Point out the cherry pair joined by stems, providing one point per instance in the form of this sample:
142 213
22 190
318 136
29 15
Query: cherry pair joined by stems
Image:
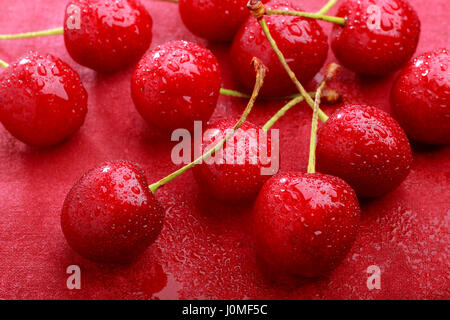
370 37
305 223
363 145
111 214
302 41
42 99
103 35
218 20
420 98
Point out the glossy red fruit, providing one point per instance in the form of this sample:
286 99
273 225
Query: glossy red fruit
42 100
215 20
305 224
302 41
176 84
379 37
110 215
107 35
420 98
366 147
241 168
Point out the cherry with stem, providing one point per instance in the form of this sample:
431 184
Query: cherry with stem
305 238
216 20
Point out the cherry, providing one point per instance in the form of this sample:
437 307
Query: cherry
42 100
110 215
378 37
109 34
236 174
302 41
304 224
176 84
215 20
420 98
366 147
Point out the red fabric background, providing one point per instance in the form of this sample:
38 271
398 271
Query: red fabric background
205 249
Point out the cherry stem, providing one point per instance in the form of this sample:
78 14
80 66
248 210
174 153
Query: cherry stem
233 93
3 64
238 94
327 7
257 9
336 20
315 124
283 110
330 73
43 33
331 97
261 71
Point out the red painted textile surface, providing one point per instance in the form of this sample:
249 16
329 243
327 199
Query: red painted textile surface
206 249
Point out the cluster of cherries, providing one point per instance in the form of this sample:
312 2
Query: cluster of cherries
304 223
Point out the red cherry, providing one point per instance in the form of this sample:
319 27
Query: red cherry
110 34
110 215
366 147
176 84
420 98
302 41
238 177
305 223
379 36
215 20
42 100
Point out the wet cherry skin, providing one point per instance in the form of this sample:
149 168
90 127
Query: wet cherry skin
305 224
176 84
111 34
380 36
42 100
110 215
366 147
238 176
420 98
215 20
302 41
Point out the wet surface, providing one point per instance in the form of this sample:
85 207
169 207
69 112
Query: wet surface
206 249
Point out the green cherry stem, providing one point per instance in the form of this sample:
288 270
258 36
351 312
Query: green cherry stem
233 93
330 73
294 101
282 112
43 33
314 125
3 64
330 4
331 96
257 9
336 20
261 71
